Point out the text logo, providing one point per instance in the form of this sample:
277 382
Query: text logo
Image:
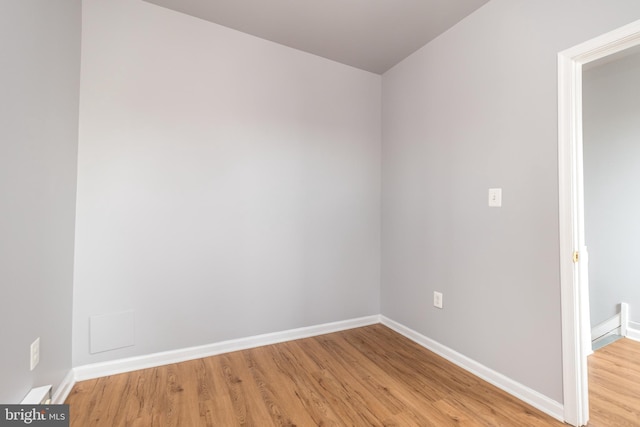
34 415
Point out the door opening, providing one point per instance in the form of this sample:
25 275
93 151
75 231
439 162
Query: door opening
576 334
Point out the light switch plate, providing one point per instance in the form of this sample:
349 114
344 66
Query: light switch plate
495 197
437 299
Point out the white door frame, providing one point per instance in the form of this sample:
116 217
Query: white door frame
576 332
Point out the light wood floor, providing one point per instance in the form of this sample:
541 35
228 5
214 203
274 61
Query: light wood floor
614 385
367 376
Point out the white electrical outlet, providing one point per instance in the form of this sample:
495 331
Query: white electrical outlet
35 353
437 299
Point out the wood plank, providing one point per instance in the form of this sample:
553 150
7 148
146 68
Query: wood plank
368 376
614 385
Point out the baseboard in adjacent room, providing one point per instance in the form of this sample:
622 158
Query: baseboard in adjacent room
520 391
618 324
120 366
608 326
633 331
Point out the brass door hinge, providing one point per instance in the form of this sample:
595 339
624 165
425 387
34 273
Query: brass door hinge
576 256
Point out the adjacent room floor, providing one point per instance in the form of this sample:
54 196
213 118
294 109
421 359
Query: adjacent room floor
614 385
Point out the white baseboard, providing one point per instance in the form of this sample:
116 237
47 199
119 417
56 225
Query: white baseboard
64 388
114 367
37 396
619 324
605 327
526 394
119 366
633 331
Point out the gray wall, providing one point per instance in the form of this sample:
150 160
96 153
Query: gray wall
473 110
611 102
227 186
40 69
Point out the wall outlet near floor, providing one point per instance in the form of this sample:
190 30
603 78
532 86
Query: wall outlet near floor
437 299
35 353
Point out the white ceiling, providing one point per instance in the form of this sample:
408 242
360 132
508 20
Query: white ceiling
372 35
